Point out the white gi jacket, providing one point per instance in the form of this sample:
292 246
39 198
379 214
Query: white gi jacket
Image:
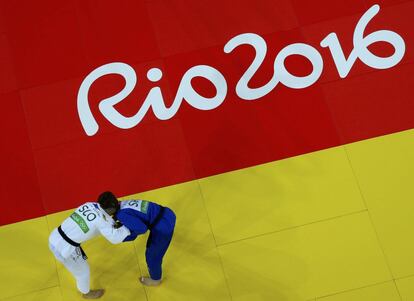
88 221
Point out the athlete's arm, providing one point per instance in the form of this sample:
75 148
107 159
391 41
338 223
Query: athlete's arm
133 223
112 234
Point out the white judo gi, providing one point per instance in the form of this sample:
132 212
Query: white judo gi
88 221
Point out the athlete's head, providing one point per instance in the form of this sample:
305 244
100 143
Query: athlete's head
108 202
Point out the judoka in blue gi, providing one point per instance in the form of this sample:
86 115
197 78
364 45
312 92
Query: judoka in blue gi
139 216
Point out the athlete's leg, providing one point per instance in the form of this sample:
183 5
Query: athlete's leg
157 245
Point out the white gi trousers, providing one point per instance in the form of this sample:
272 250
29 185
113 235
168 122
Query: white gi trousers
76 265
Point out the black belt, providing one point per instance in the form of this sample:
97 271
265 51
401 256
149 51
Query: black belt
71 242
158 218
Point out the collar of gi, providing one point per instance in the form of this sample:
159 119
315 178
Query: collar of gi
105 215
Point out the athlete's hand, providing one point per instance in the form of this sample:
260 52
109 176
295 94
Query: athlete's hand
117 224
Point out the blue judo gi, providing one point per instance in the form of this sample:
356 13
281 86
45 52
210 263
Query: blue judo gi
139 216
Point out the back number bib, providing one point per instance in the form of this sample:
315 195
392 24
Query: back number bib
139 205
84 213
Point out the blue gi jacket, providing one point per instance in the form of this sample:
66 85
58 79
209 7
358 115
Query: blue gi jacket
137 215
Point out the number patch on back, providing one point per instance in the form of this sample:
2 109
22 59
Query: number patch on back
140 205
86 212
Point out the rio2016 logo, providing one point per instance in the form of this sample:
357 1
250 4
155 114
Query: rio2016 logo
186 92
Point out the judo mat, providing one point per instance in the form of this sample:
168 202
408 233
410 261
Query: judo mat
290 182
330 225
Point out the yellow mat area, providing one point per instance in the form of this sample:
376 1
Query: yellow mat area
334 225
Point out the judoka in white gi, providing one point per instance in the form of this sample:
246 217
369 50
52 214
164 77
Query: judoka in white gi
88 221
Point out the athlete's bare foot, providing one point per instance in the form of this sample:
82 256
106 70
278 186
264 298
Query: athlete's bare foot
94 294
149 282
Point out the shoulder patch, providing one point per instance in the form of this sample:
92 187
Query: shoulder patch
144 206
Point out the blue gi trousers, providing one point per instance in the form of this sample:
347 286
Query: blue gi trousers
158 242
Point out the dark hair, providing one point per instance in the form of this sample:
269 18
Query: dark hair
108 200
